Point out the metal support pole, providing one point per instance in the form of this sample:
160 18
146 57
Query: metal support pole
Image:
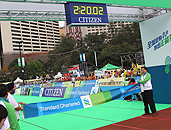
22 71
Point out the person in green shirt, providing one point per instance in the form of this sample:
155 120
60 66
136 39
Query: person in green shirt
14 125
147 92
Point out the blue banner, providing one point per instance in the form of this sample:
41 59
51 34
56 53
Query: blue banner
36 91
91 83
51 107
109 88
130 89
37 85
29 85
82 91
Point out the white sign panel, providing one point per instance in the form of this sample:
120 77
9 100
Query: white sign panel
156 40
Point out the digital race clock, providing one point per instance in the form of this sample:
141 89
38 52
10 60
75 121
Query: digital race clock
86 14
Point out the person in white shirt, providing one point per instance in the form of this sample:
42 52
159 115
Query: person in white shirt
12 100
73 80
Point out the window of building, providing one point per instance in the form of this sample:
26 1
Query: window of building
35 36
16 31
35 43
43 40
48 26
27 46
35 50
35 33
25 28
15 23
26 42
34 29
36 46
43 43
25 35
17 38
33 23
15 45
43 46
25 22
41 27
27 49
51 41
50 38
35 39
42 31
25 25
49 29
15 27
51 44
15 49
14 34
28 39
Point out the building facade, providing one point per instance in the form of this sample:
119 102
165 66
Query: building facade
36 36
79 32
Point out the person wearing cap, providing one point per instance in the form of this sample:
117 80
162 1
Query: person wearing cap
12 100
12 118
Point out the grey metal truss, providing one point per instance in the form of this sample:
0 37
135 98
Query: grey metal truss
23 15
131 14
37 1
137 58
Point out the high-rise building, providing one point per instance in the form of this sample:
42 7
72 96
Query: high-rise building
110 29
62 31
37 36
73 32
79 32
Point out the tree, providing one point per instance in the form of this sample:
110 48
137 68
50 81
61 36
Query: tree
64 54
126 40
14 70
34 68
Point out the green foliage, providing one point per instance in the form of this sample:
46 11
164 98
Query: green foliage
34 68
126 40
64 54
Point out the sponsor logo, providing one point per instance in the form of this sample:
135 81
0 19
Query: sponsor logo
132 89
53 92
35 92
86 101
59 106
167 63
159 41
90 20
83 92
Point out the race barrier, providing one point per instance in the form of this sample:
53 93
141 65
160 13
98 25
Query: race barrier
58 106
86 88
60 92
